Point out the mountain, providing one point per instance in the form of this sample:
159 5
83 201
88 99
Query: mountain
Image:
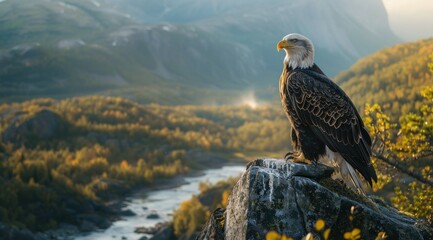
392 77
148 49
341 30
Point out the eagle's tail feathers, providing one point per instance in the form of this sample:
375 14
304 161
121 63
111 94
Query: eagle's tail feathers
344 170
354 177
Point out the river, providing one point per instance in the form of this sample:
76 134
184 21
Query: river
162 202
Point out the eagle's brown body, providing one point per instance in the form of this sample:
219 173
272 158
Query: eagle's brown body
323 118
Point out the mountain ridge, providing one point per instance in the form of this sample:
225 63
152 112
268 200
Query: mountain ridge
51 47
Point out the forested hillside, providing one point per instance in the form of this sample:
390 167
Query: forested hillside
392 77
63 153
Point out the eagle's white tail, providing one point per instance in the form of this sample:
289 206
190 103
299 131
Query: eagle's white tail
354 177
343 168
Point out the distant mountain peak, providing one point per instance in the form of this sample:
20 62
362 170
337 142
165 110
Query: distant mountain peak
217 44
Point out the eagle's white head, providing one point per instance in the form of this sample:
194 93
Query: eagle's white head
299 51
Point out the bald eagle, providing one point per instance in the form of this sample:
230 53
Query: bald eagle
326 126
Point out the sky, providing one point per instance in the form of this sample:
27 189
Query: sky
410 19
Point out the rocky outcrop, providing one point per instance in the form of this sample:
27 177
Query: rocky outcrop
214 228
289 198
43 125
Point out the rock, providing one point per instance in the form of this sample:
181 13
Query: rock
165 232
127 213
87 226
143 238
289 198
115 207
97 220
153 229
214 229
43 125
153 216
145 230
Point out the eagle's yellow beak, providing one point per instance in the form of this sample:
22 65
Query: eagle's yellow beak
283 44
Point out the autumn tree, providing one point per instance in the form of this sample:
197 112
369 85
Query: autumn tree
408 147
189 218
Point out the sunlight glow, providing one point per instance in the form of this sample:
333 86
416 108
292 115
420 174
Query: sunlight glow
249 99
410 19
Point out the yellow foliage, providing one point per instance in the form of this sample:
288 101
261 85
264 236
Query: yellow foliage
417 199
326 234
381 236
225 198
309 236
272 235
407 145
189 217
355 234
124 165
320 224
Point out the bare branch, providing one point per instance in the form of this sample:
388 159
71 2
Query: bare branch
424 154
405 169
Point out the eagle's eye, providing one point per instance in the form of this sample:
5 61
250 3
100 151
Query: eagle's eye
294 40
